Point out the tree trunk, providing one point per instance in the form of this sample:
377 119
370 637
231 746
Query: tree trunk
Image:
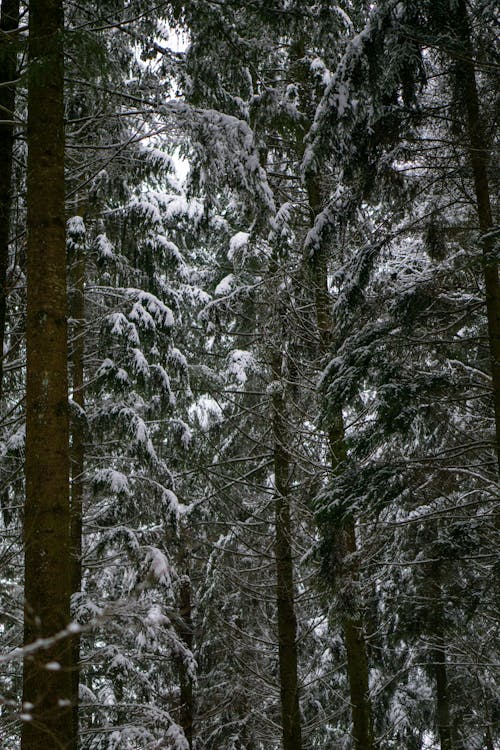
77 309
479 153
438 657
47 677
357 662
442 698
344 537
287 624
9 20
186 682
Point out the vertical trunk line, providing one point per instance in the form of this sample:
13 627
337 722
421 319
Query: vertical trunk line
287 623
352 624
438 657
442 699
46 532
186 708
9 21
77 310
478 153
357 661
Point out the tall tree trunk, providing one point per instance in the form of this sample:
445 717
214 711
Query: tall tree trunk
442 698
479 153
287 624
186 683
345 536
77 310
47 677
9 21
438 657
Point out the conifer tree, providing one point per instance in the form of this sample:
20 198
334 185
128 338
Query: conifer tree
280 524
47 676
9 21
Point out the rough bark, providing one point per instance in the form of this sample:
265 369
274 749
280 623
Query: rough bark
9 21
287 624
345 536
479 156
46 676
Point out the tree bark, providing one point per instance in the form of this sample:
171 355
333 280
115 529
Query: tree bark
47 676
357 662
287 623
77 309
345 536
479 154
9 21
442 698
186 683
438 658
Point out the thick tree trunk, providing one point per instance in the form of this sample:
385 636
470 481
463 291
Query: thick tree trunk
47 675
287 624
479 152
77 309
345 537
9 20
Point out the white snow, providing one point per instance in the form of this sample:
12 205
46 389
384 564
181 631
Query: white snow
75 226
17 440
115 480
239 362
156 617
141 365
157 309
206 411
238 242
120 326
104 247
176 736
225 286
176 508
159 566
139 315
148 210
178 358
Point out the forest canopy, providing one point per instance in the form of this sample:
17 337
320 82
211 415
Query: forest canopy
250 375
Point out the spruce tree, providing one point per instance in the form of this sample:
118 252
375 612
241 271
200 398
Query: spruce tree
47 675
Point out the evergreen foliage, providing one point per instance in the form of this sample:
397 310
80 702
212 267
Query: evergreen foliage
283 377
